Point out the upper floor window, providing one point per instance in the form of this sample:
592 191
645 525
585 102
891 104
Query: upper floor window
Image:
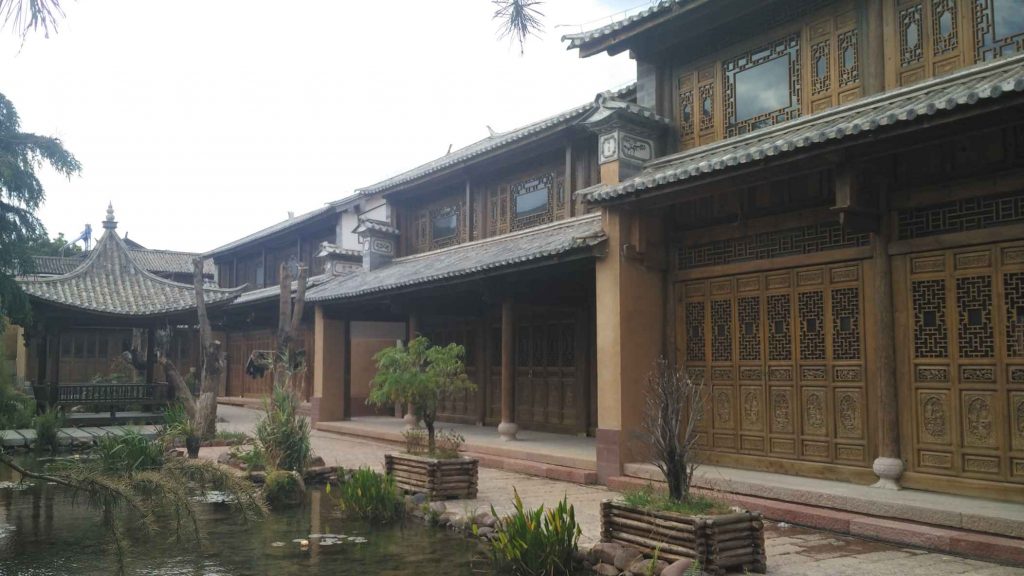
1000 28
531 201
444 223
762 86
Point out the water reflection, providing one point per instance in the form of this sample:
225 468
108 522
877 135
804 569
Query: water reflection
43 533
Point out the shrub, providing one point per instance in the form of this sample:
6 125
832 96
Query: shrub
48 425
693 505
282 434
415 441
16 407
253 457
283 488
129 453
371 496
536 542
178 426
231 437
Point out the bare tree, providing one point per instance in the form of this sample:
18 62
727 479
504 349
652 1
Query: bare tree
201 411
672 410
518 20
290 363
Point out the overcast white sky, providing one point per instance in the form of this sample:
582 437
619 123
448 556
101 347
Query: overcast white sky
203 121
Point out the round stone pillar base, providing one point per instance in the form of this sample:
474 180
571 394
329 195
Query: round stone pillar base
411 422
888 471
508 430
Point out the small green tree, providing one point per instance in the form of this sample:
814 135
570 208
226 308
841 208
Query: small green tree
419 374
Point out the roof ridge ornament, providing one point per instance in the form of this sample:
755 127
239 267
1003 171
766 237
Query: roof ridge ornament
109 223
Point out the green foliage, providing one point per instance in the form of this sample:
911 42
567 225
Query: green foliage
21 194
16 407
419 374
692 505
177 425
536 542
254 457
48 425
283 434
371 496
58 246
231 437
129 453
283 488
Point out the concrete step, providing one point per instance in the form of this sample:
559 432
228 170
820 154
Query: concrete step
551 471
960 542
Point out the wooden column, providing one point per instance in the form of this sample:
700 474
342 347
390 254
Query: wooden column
410 413
507 428
53 364
150 354
888 465
872 52
481 370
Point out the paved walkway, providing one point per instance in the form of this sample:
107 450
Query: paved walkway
792 551
67 436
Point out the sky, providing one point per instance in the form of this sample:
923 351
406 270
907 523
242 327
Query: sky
204 121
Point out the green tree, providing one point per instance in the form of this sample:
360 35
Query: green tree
419 374
21 194
56 246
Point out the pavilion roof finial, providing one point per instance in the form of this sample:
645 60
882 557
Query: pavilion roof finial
110 223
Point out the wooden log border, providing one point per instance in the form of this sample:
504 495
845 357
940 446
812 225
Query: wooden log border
721 543
438 479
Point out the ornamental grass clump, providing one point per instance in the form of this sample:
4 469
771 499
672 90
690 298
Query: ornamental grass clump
419 374
48 425
127 454
536 542
282 434
370 496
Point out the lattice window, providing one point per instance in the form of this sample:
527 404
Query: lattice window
821 77
975 213
974 311
849 58
531 201
707 106
911 51
749 308
695 331
944 26
791 242
686 112
762 86
846 324
567 357
811 314
931 338
446 225
999 28
1013 297
721 330
780 333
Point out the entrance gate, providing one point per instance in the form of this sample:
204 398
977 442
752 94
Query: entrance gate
781 356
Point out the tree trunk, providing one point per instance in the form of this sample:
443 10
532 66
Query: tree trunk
288 373
428 421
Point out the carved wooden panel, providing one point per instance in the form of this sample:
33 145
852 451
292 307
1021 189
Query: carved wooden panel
991 41
966 378
783 356
927 38
548 390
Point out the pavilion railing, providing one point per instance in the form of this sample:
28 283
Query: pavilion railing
113 393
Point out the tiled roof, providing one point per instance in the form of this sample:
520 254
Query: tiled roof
492 143
111 281
156 261
272 292
964 88
580 38
465 259
271 230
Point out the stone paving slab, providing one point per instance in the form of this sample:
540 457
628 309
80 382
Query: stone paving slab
13 438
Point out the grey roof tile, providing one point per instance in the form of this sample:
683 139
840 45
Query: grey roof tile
272 292
111 281
967 87
274 229
156 261
466 259
580 38
493 142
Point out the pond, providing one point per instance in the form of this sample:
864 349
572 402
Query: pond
42 532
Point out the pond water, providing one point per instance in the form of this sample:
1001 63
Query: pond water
42 532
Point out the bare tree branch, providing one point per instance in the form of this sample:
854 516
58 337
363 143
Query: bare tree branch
518 20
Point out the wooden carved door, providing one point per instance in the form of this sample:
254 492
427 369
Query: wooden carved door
962 382
460 406
548 391
781 357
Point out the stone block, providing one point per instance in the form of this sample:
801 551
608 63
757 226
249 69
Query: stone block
626 557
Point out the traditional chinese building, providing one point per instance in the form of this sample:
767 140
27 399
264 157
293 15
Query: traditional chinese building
833 242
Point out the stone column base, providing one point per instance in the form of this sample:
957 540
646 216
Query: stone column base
609 455
888 471
508 430
411 422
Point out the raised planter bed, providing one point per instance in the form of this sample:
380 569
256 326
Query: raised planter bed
721 543
438 479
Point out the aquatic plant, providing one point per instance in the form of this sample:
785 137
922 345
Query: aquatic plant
371 496
129 453
536 542
48 425
282 433
283 488
16 407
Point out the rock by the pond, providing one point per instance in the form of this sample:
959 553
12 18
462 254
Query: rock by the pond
626 556
316 462
224 458
438 508
257 477
604 552
418 499
677 568
484 532
603 569
645 567
485 520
